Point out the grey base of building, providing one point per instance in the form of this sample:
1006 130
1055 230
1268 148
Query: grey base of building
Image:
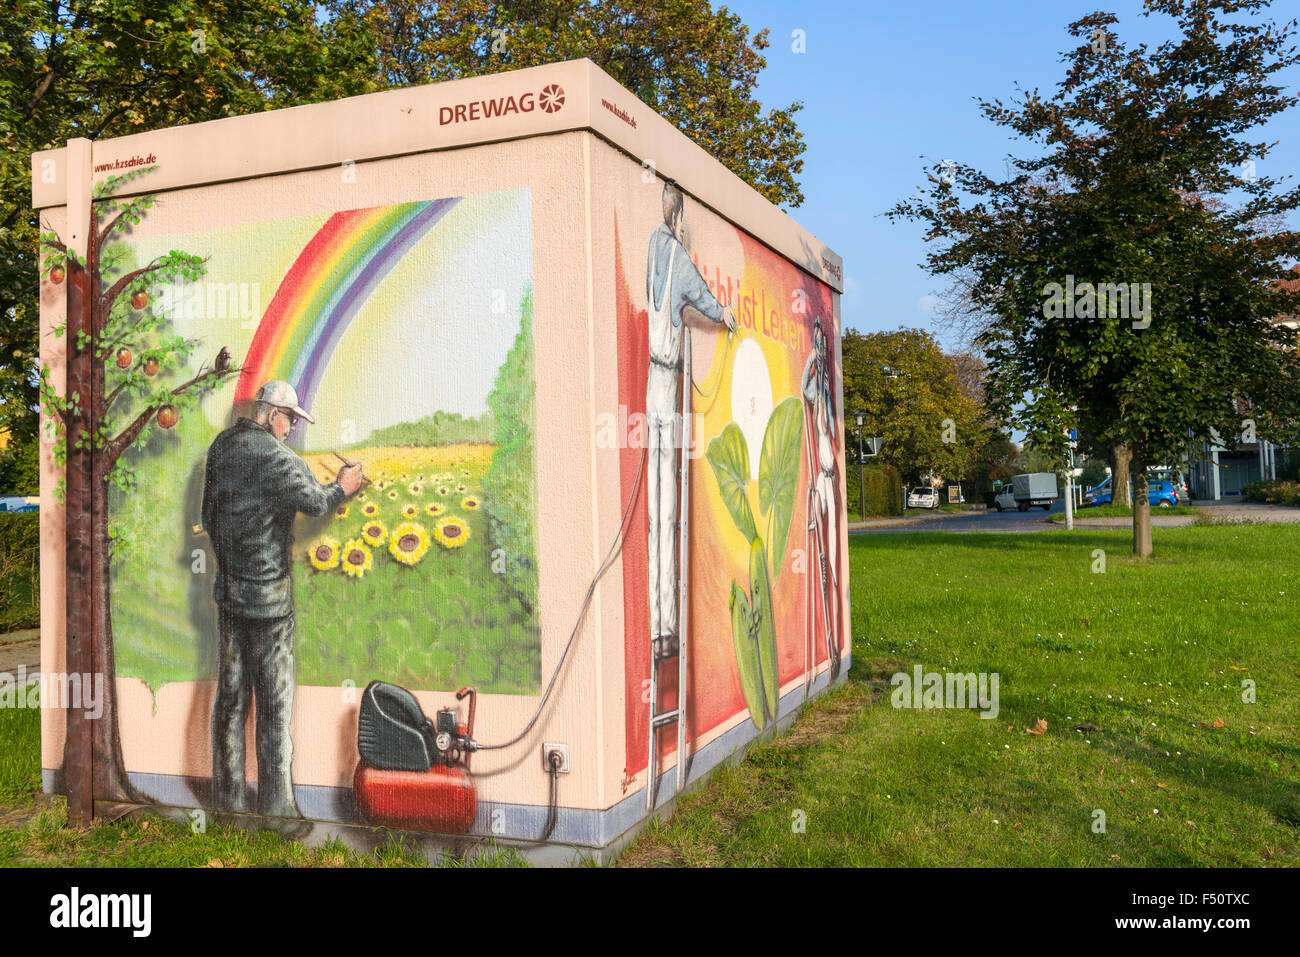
580 835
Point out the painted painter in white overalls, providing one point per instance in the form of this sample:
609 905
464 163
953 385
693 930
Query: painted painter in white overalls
672 283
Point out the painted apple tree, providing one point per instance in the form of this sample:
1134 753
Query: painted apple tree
140 380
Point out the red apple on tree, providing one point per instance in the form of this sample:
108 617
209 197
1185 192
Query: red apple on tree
140 299
168 416
151 366
123 358
56 275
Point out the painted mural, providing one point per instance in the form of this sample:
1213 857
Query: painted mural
359 503
766 497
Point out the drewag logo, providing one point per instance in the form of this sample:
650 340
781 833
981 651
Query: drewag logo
549 100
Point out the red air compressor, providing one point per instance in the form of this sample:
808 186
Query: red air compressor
414 773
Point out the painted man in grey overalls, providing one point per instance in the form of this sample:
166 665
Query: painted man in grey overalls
672 284
254 488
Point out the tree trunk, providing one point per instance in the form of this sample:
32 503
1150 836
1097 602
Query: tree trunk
79 566
111 782
1121 457
1141 507
88 561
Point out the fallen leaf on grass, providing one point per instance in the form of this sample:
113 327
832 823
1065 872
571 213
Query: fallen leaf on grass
1039 727
1011 727
1190 824
1159 785
1235 668
216 862
144 825
1218 722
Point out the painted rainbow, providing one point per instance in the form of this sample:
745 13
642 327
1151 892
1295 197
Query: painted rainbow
325 288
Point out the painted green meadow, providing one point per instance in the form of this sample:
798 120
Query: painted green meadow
400 585
439 614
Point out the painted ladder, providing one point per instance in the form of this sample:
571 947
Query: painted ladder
678 714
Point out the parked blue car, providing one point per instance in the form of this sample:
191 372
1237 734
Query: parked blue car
1159 494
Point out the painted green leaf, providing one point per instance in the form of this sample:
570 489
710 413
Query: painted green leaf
729 455
747 661
764 624
778 473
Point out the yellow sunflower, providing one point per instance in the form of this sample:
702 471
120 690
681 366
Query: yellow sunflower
324 554
392 493
408 543
411 511
461 489
357 559
415 488
374 533
435 509
443 490
452 532
341 511
470 502
370 510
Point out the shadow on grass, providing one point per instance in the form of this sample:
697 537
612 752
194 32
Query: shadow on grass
1232 778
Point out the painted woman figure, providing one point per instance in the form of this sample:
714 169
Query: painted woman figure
825 505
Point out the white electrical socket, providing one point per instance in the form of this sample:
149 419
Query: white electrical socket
547 748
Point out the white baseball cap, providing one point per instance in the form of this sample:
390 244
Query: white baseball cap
277 392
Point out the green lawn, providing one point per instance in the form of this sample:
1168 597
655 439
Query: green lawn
1152 654
1121 511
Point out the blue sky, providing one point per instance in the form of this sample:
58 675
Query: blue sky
885 83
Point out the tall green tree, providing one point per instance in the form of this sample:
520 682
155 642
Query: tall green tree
908 392
695 65
1132 148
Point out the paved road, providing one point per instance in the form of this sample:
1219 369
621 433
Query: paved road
977 521
917 520
20 648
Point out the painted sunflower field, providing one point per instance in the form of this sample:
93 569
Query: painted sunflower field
403 582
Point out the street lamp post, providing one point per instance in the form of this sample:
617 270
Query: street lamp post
862 480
